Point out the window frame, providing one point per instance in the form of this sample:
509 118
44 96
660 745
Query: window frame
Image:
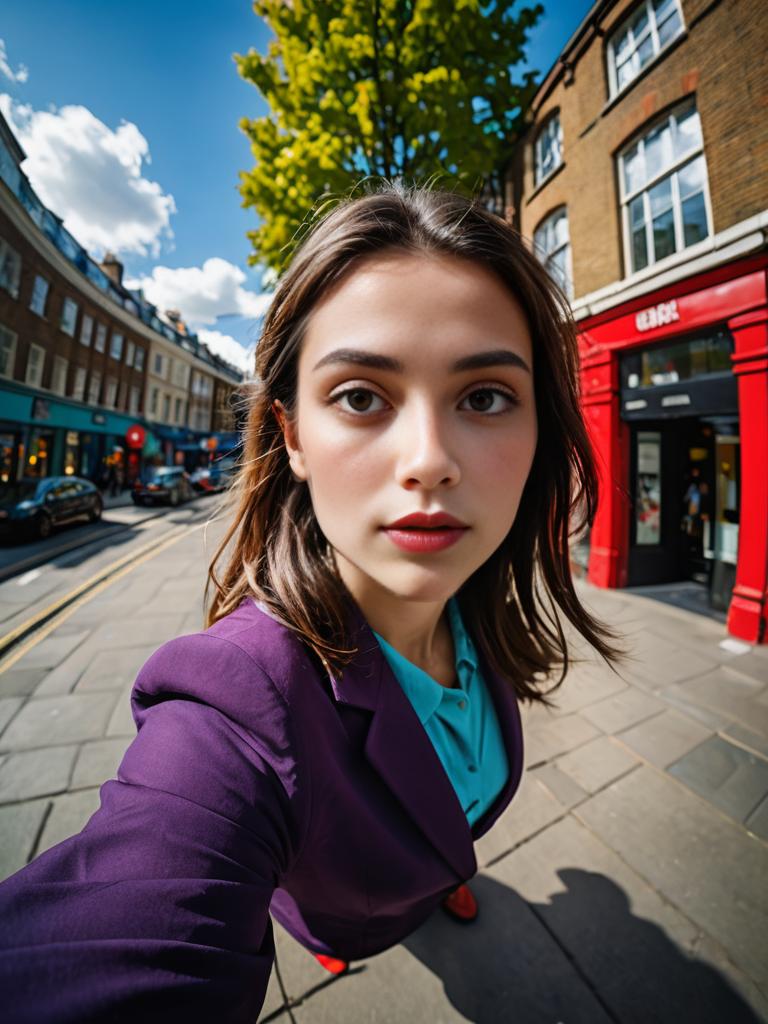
10 268
68 304
32 304
116 350
669 171
96 378
539 177
613 78
78 383
567 285
7 333
39 349
56 370
100 338
86 330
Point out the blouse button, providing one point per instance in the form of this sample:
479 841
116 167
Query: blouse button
472 767
461 705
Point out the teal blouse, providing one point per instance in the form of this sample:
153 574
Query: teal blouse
461 722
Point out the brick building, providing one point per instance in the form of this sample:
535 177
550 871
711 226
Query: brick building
78 352
643 186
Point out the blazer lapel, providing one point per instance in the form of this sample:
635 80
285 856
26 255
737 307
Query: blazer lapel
398 748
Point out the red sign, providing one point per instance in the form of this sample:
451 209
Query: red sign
135 436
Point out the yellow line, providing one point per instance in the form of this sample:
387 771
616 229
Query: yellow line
100 581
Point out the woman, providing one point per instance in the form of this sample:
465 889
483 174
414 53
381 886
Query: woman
331 746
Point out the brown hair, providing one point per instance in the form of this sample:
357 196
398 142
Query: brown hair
278 553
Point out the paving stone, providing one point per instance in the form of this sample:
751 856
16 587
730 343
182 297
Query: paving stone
661 668
544 741
664 738
747 738
121 721
585 685
727 775
561 786
33 773
113 669
19 826
641 954
532 809
8 708
714 720
138 631
20 682
596 763
47 721
729 692
51 651
69 814
757 822
622 710
63 678
98 761
705 865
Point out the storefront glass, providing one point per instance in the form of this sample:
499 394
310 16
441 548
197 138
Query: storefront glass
72 453
679 361
648 488
39 454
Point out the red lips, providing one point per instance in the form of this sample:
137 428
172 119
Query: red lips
426 521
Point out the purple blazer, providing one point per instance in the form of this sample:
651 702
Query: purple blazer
256 784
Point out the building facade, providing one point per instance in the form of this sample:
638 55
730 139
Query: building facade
643 187
83 359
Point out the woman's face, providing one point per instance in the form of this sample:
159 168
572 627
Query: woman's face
415 394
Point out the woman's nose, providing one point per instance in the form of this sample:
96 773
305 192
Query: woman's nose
427 456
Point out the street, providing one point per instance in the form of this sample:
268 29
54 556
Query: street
625 882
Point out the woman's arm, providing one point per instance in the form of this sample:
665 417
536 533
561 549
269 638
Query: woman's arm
158 909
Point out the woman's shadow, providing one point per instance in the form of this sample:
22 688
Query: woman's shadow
582 957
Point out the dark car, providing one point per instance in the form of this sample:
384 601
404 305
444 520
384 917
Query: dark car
34 507
163 485
216 477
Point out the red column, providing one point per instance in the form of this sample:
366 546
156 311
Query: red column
609 539
748 612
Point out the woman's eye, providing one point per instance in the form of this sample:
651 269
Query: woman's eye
490 400
358 400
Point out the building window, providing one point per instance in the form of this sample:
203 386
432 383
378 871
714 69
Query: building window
139 360
10 269
59 375
7 351
158 364
78 387
130 352
86 330
39 295
35 364
135 400
68 319
663 179
552 245
94 388
116 346
639 38
111 396
179 410
166 408
153 396
101 338
548 149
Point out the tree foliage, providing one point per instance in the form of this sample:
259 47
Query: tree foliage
383 88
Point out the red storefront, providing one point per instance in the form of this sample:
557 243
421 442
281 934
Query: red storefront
675 390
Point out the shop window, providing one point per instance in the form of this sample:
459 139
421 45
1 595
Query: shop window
78 385
10 449
39 453
68 321
679 361
94 388
7 351
648 489
71 453
647 31
86 330
59 375
116 346
39 295
35 366
130 353
663 180
139 360
548 149
101 338
111 395
10 269
552 244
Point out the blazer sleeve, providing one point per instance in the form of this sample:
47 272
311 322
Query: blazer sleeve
158 909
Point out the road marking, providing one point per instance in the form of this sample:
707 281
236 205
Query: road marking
28 577
61 609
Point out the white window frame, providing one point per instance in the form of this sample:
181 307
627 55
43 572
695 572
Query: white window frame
110 395
35 368
39 296
130 352
138 363
68 318
100 341
154 397
671 170
653 30
546 257
539 175
86 330
135 400
10 268
116 343
59 375
8 340
78 384
94 388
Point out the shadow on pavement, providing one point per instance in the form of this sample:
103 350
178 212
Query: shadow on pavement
582 957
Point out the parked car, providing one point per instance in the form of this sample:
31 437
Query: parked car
34 507
216 477
162 485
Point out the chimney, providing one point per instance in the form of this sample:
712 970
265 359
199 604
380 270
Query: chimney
112 267
174 315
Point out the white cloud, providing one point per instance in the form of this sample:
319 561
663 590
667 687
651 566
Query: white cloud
225 346
202 294
92 177
19 76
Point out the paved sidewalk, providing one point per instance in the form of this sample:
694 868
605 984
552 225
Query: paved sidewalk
625 883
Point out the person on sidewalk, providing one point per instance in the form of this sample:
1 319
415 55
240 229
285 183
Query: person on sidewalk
328 750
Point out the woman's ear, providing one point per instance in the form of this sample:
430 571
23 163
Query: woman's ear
291 440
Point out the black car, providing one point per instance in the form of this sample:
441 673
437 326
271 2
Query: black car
166 485
34 507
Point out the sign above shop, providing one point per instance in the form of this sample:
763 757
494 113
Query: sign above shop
135 436
657 316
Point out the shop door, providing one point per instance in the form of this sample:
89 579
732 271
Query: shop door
722 533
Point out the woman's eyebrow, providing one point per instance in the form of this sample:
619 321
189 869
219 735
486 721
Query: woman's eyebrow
477 361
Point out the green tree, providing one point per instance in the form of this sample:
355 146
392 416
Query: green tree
383 88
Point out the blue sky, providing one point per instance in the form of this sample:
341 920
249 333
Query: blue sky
129 114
